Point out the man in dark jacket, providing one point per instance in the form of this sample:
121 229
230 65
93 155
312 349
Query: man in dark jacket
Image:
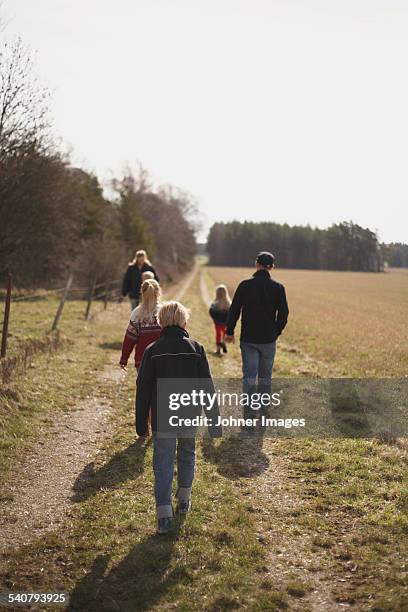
262 302
132 280
173 356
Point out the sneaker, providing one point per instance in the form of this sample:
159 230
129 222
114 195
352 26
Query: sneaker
164 525
183 507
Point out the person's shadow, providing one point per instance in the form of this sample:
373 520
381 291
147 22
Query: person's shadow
111 346
137 582
236 457
348 410
125 465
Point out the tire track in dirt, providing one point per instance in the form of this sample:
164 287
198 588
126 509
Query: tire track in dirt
268 483
204 289
181 289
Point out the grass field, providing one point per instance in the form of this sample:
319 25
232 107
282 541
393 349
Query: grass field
277 524
32 319
354 322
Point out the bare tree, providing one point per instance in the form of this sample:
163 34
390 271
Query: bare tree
23 101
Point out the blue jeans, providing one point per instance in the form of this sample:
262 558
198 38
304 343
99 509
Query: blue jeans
134 302
257 364
164 452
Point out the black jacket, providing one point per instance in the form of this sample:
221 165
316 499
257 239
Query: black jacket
173 356
132 280
264 309
218 316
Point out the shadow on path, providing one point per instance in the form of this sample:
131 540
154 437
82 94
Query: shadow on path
348 410
237 457
111 346
137 582
125 465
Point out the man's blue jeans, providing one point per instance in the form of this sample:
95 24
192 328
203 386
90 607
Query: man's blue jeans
257 364
164 453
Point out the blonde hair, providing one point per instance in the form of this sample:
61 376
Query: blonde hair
222 299
150 294
173 313
146 275
140 253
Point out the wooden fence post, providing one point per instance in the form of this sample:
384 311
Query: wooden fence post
62 303
90 297
4 335
106 296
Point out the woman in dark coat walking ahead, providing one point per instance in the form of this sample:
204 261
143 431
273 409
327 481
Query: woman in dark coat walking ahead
132 281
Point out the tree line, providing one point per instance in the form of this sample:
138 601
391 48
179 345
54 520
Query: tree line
342 246
397 255
56 217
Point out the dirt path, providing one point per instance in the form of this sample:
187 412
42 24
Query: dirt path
275 503
41 489
179 290
204 289
292 556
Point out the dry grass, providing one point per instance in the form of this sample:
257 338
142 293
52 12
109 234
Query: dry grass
355 321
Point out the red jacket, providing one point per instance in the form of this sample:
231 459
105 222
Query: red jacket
141 334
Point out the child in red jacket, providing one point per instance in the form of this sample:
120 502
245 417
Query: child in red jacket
143 328
219 310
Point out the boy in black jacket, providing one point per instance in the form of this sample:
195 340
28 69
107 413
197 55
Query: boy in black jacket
173 356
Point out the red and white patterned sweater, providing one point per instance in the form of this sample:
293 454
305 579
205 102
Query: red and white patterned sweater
139 333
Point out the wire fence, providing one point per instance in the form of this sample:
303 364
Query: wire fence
106 292
43 293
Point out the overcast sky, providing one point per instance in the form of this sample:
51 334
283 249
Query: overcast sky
284 110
